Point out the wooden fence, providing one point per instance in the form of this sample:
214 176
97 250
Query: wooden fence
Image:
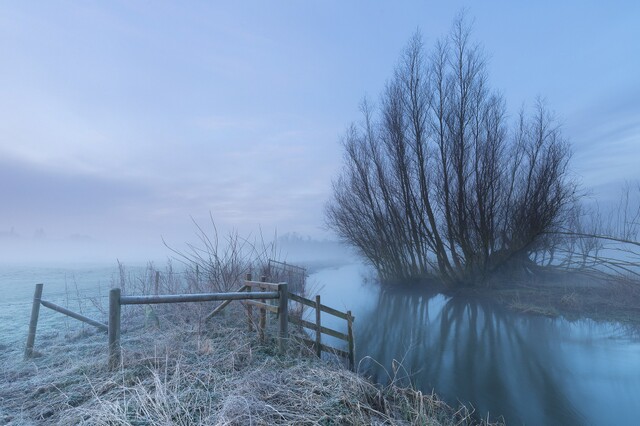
35 313
316 326
252 293
319 329
293 275
116 300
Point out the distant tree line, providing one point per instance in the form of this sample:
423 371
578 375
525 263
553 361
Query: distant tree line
439 184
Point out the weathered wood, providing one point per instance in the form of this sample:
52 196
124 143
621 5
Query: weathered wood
33 324
352 347
318 327
323 308
323 329
223 304
288 265
249 309
270 308
302 300
156 283
332 311
326 348
283 316
75 315
114 328
196 297
264 285
263 312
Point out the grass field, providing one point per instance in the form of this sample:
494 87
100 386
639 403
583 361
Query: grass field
177 371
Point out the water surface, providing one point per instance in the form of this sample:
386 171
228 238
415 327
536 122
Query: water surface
529 369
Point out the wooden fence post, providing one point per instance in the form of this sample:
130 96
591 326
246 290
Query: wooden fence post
283 316
318 329
156 283
352 346
33 324
249 310
263 313
114 328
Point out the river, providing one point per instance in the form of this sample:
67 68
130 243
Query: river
528 369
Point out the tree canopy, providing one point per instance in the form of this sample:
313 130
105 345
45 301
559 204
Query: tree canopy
439 183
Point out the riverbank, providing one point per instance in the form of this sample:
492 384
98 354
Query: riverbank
188 374
573 298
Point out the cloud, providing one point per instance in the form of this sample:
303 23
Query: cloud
606 142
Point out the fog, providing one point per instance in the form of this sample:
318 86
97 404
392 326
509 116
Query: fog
124 127
117 130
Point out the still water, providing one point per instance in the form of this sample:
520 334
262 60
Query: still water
530 370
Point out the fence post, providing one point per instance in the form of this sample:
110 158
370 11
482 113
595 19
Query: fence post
249 310
156 283
114 328
352 349
33 324
318 325
283 316
263 313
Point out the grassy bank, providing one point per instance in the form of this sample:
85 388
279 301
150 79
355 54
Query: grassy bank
572 297
187 374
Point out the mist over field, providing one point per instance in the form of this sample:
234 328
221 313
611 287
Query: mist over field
462 179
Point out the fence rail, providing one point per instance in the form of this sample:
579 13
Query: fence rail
323 308
201 297
35 314
246 293
320 329
295 276
116 300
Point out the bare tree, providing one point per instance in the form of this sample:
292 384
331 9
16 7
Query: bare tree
435 184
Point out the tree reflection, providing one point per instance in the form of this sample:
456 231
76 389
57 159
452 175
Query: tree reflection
471 351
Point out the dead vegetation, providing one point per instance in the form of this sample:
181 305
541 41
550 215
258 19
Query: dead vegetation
180 368
186 375
573 298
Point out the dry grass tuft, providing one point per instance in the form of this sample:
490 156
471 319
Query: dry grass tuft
185 376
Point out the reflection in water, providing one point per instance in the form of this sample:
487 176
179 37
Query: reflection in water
532 370
471 351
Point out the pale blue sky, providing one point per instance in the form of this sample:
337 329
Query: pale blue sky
120 120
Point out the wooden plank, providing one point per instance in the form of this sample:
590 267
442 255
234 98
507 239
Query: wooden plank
263 313
302 300
327 348
74 315
318 327
283 316
223 304
33 324
324 308
352 347
325 330
267 286
114 328
288 265
201 297
249 309
261 305
334 312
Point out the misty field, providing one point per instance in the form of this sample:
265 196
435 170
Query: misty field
176 370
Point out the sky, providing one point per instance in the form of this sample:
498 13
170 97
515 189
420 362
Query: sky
121 122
